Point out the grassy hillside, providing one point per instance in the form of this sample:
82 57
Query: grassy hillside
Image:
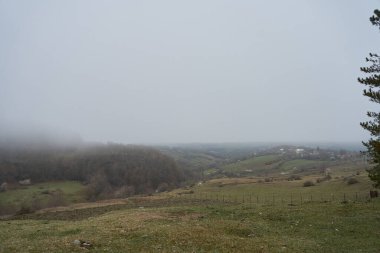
253 163
277 165
66 192
252 188
260 212
297 164
221 215
208 226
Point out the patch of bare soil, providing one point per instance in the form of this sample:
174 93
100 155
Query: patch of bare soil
233 181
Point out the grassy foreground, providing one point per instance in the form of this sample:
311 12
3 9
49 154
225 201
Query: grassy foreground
191 226
221 215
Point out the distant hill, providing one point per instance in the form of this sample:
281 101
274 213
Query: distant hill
106 169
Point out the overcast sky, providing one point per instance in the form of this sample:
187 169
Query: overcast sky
186 71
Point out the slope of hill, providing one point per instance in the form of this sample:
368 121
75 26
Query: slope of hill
279 220
107 170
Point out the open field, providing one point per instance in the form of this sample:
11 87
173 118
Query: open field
244 214
68 191
254 164
277 165
201 227
334 189
197 219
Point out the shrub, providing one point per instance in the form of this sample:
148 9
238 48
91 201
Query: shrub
352 181
45 192
163 187
24 210
294 177
308 183
98 187
325 178
124 191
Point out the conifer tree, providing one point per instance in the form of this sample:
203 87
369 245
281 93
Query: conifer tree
372 91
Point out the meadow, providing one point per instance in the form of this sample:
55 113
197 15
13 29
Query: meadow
246 214
43 194
197 219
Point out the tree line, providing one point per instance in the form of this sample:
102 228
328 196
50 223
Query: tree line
113 168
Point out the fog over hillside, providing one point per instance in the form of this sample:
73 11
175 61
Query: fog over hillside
37 138
177 72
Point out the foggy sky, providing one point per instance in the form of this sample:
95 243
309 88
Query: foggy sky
186 71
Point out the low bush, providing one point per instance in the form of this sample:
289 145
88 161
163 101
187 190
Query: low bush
352 181
163 187
325 178
308 183
294 177
24 210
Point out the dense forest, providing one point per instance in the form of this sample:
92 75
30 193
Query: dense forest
112 168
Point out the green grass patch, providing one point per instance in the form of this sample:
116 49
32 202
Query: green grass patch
294 165
71 191
283 191
242 216
253 164
313 227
